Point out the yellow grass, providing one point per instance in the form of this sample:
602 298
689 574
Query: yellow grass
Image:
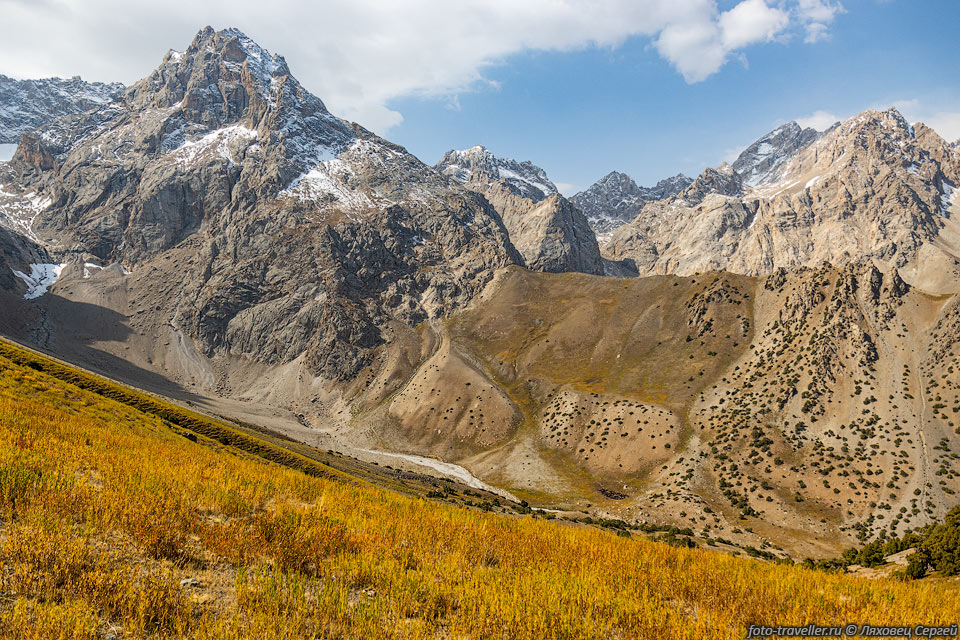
104 509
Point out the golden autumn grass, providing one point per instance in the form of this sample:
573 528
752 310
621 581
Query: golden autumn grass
104 509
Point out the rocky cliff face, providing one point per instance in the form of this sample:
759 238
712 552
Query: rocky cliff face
27 104
616 199
549 231
255 223
551 234
763 161
873 188
522 178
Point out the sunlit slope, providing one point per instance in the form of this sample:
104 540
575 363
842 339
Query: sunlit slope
802 412
111 522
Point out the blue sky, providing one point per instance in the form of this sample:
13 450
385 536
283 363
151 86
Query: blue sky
582 114
580 87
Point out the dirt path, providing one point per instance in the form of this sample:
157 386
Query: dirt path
447 469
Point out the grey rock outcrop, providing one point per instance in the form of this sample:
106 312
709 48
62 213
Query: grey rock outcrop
550 232
28 104
872 188
763 161
616 199
522 178
257 224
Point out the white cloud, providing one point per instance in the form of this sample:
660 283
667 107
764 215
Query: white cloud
700 43
749 22
566 188
359 54
816 17
819 120
946 123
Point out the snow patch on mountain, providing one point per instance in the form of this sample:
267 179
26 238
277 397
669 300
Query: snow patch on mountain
18 212
948 197
28 104
41 278
327 183
219 141
762 163
523 178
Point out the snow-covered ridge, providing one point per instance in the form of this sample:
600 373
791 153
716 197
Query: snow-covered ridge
524 177
219 141
28 104
327 181
948 198
41 278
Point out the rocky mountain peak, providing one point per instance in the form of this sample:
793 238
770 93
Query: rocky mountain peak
621 182
276 229
28 104
723 180
871 188
224 78
762 162
224 92
615 199
668 187
522 178
224 60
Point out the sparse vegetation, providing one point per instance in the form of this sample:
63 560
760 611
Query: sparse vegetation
113 522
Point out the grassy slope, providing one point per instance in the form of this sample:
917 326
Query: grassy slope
104 509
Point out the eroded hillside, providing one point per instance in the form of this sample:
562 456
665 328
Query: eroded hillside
772 408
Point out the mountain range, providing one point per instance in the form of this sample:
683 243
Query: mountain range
27 104
779 368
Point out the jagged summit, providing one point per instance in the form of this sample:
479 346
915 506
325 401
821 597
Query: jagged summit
615 199
225 78
762 162
723 180
276 229
873 188
522 178
549 231
27 104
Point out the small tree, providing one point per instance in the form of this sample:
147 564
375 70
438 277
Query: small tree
917 565
943 544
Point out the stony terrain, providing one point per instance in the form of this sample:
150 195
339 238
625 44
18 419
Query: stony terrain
616 199
763 161
873 187
28 104
783 375
254 222
550 232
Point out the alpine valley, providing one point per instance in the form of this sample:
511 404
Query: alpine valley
766 354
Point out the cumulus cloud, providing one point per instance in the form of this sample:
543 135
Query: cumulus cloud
359 54
816 16
749 22
819 120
